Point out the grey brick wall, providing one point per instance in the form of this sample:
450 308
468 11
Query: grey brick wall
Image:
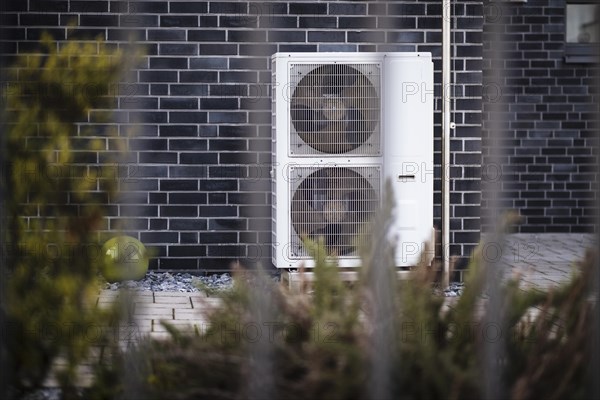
550 107
200 105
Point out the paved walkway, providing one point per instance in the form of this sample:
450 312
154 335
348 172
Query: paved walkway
150 309
541 260
544 260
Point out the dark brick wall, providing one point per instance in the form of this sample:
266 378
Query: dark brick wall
200 105
550 107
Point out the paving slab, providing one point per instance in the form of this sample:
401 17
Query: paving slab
541 261
544 260
187 326
183 314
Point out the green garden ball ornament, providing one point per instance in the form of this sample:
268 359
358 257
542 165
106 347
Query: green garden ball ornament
124 258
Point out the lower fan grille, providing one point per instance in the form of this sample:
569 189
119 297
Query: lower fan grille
332 203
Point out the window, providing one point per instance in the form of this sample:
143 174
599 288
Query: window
582 23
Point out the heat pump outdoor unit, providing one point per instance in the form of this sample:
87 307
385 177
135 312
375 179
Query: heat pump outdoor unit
343 124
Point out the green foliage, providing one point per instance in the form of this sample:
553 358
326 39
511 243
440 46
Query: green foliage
556 346
328 343
56 204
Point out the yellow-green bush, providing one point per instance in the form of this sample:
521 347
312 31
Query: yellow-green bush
55 205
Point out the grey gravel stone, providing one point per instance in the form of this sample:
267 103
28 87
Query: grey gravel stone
186 282
178 282
455 289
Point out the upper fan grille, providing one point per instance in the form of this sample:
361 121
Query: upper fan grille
332 203
334 109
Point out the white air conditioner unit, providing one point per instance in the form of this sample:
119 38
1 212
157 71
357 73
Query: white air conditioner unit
342 124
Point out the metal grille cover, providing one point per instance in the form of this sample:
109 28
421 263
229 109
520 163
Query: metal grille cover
333 203
335 109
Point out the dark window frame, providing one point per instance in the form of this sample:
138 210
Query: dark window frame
580 53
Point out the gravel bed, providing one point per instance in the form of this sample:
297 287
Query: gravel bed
185 282
177 282
454 290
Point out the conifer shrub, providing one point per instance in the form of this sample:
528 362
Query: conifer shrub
379 338
56 201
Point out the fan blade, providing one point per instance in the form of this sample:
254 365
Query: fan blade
330 139
362 96
307 204
327 77
306 119
329 233
361 204
305 219
363 111
338 77
338 238
348 238
357 131
308 96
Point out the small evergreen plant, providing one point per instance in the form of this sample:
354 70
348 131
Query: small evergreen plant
56 203
380 338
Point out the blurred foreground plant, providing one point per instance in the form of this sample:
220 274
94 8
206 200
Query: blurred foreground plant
332 341
56 202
